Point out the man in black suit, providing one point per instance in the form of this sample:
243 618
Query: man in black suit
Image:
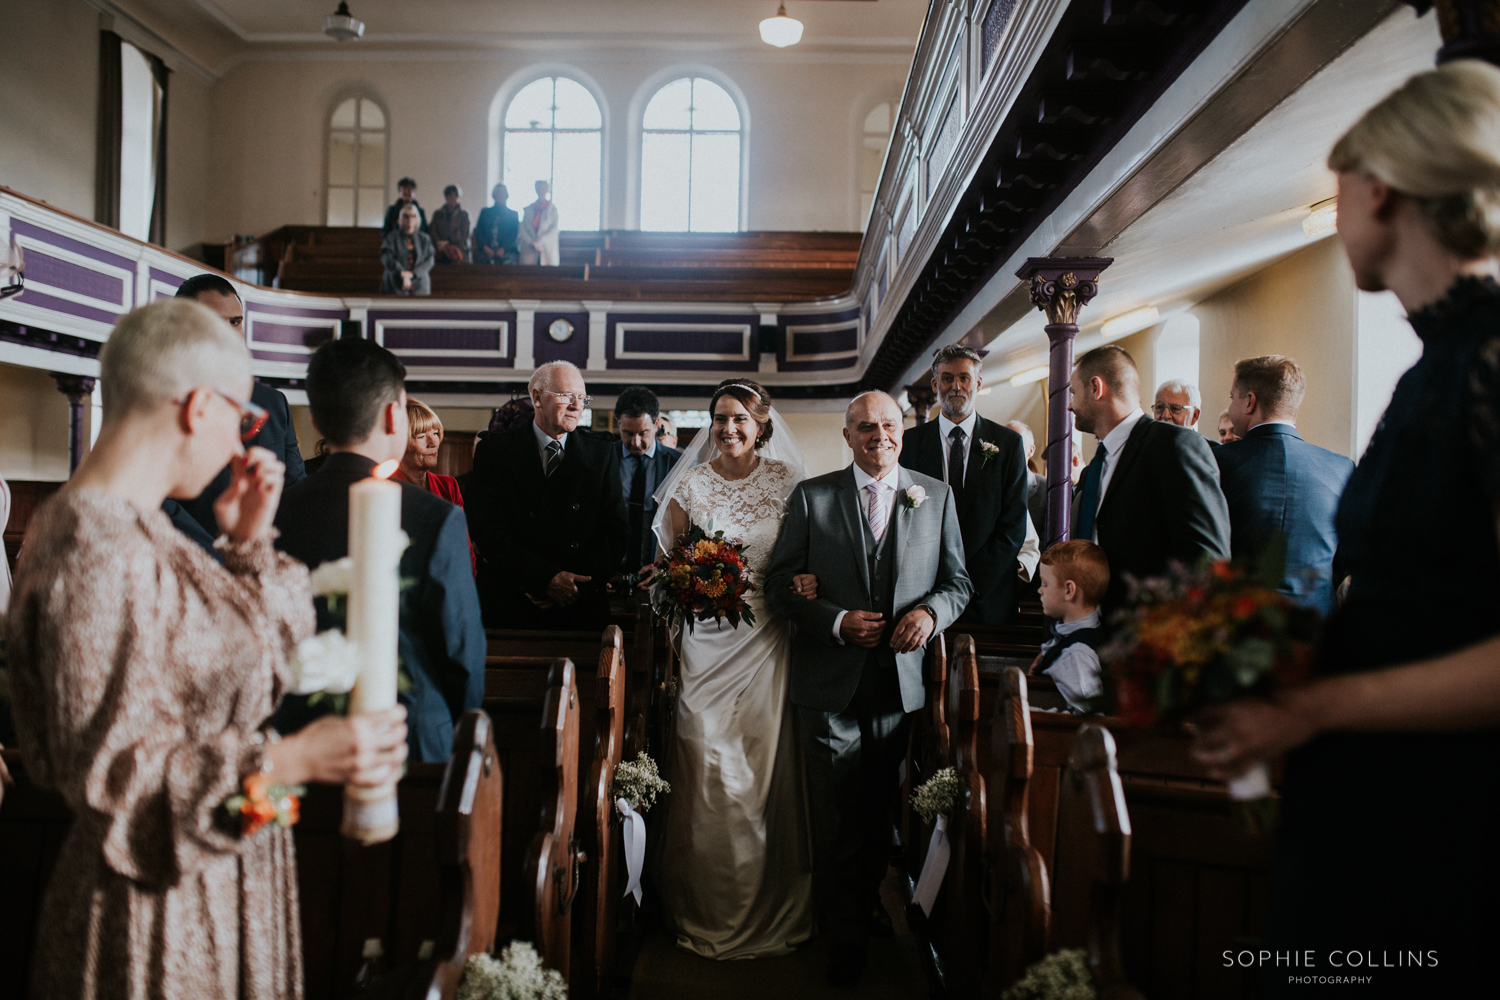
550 520
1280 488
985 465
355 389
644 464
277 435
1151 494
496 231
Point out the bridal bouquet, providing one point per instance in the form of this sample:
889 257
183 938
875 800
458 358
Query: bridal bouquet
1195 638
703 578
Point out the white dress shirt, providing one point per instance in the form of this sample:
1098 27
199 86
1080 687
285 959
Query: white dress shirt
945 428
1030 555
1077 668
1114 446
862 479
543 439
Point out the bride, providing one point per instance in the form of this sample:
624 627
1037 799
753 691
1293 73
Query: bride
737 877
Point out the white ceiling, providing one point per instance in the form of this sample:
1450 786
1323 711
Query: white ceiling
1244 209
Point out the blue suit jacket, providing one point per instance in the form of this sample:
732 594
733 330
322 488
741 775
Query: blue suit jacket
640 551
1278 485
441 638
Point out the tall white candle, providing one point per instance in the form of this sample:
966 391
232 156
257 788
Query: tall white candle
376 542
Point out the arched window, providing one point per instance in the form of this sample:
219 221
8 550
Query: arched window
690 159
357 164
877 133
553 133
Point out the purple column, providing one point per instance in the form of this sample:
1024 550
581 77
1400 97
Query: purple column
1060 287
79 389
921 398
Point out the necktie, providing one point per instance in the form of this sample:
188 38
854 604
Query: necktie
956 460
879 511
554 456
638 511
1093 476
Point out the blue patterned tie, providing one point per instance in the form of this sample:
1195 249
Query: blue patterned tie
1089 505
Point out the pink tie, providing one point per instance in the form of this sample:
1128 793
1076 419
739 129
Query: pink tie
880 510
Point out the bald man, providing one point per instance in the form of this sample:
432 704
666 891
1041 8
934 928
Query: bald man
886 546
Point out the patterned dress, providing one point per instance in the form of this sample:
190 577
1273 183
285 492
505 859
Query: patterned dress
143 673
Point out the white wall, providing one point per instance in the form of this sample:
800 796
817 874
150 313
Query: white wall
33 426
1385 347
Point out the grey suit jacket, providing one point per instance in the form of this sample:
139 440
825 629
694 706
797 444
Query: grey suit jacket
823 535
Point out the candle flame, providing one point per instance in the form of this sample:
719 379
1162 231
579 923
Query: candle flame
386 470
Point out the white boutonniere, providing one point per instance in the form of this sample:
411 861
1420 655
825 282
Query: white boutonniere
987 451
913 497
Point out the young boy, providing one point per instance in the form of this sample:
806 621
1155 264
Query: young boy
1074 576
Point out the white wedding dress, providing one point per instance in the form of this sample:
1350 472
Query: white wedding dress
736 873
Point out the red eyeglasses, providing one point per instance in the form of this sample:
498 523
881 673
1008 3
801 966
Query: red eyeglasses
252 417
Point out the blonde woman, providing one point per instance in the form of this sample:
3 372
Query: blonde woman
1392 790
421 458
144 674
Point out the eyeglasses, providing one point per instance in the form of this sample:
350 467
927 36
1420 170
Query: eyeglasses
252 417
16 288
1178 410
572 397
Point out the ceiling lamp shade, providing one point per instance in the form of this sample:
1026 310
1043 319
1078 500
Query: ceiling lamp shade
781 30
341 26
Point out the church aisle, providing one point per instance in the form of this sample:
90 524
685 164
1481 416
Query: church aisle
664 972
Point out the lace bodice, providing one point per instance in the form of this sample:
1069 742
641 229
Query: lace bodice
747 510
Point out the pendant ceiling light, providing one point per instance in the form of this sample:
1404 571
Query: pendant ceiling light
341 26
781 30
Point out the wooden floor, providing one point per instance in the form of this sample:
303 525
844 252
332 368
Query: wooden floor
665 972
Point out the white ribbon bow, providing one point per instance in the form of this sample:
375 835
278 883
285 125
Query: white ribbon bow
934 868
634 830
1253 784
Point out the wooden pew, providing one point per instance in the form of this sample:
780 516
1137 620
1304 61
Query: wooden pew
555 859
963 915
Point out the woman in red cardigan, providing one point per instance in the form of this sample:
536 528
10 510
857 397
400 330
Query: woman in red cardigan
421 458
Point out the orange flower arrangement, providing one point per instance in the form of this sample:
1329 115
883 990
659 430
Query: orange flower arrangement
703 578
263 802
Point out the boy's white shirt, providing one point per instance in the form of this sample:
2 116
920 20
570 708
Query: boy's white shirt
1077 671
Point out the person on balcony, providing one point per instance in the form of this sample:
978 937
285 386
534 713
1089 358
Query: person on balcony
408 191
539 243
449 229
408 256
496 232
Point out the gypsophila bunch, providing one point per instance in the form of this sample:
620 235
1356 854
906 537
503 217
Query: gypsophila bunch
1062 975
936 796
639 783
516 975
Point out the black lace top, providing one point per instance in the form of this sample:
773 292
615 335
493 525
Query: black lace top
1417 521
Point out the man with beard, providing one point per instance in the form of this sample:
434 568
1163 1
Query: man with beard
985 465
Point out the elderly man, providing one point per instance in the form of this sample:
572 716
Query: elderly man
1178 402
644 464
1151 493
985 465
1281 490
496 231
550 520
856 673
539 236
407 255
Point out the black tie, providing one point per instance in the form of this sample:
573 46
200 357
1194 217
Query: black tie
638 511
554 456
1088 505
956 461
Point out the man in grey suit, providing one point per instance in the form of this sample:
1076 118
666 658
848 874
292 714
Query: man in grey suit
885 545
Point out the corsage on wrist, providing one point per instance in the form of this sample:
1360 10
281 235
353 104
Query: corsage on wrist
262 800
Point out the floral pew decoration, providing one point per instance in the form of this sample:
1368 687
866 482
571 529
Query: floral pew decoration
517 974
636 785
934 801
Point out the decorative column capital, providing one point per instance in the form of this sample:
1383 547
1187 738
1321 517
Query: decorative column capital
1061 286
78 388
1470 29
921 397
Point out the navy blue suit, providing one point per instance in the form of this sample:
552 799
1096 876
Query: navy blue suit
441 638
1279 486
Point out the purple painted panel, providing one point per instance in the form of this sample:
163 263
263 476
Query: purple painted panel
687 341
824 341
285 333
418 361
442 338
386 315
59 273
576 350
22 228
167 279
43 301
331 313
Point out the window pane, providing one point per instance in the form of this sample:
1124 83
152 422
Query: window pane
664 181
340 206
716 182
871 159
137 145
343 115
713 108
341 158
371 207
370 115
528 159
576 107
576 180
532 107
372 158
878 121
671 107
